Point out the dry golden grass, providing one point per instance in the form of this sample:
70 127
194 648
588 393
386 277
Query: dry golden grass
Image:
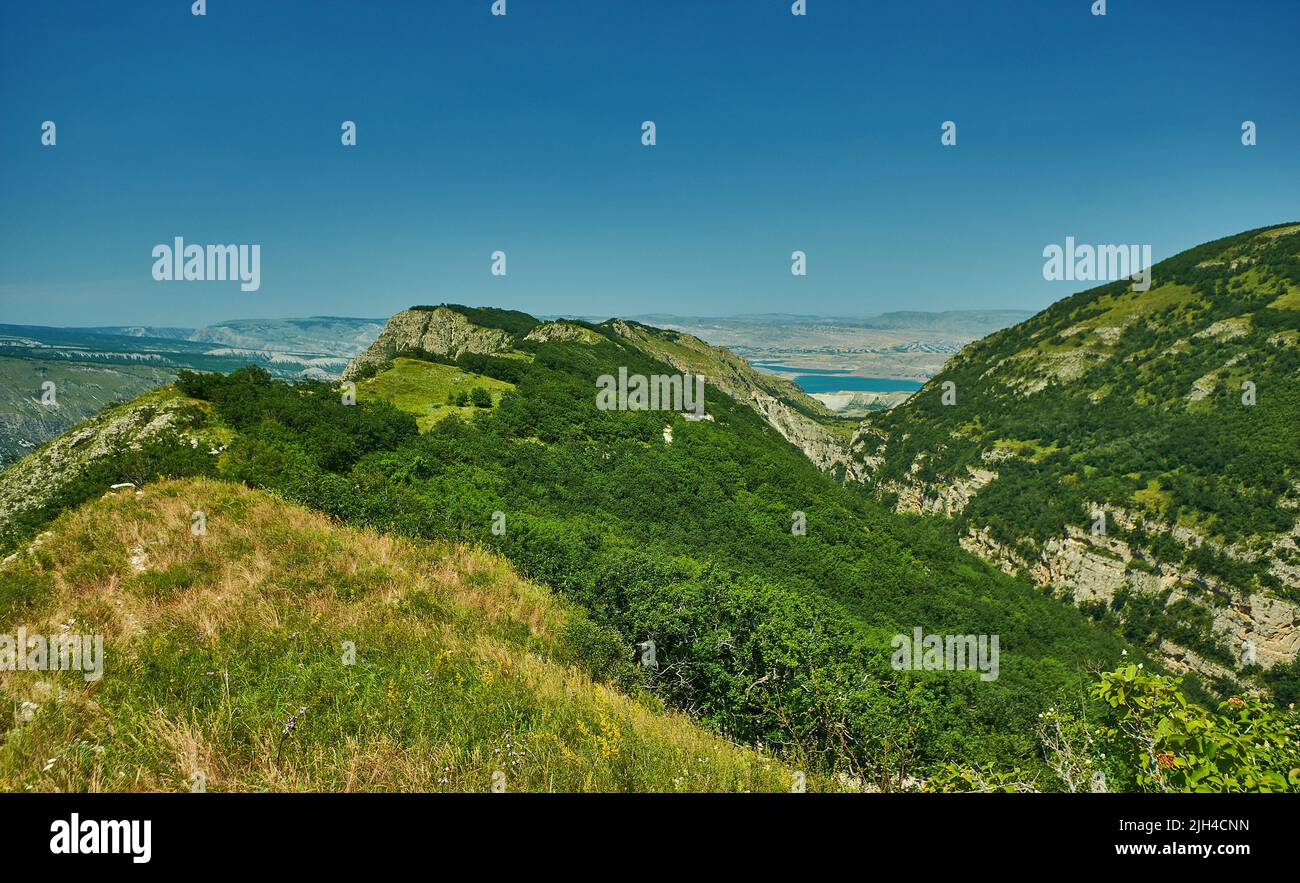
225 664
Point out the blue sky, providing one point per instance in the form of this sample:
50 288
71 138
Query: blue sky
522 133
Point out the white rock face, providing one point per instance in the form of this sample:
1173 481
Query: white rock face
441 331
1181 660
561 330
1273 625
808 435
1226 329
1095 569
949 498
1203 387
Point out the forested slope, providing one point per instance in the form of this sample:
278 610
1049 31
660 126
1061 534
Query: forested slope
1139 452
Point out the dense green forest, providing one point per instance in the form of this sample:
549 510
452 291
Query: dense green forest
1126 421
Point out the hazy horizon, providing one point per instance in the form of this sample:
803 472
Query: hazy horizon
545 315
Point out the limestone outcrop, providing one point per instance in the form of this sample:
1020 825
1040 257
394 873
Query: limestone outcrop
439 330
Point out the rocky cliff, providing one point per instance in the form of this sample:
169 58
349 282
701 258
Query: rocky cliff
1106 572
1089 571
437 330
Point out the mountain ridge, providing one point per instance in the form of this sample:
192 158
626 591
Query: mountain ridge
450 330
1173 411
769 590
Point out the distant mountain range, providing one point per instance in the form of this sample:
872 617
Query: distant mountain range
332 335
163 332
90 368
974 323
97 366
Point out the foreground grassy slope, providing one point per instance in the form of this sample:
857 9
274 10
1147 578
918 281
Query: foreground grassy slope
224 656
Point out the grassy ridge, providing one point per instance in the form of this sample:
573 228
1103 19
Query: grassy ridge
225 658
421 388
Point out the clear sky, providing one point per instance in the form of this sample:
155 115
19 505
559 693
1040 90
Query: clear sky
523 133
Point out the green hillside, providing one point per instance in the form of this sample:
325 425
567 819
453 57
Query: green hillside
687 352
227 666
81 390
1175 411
428 389
92 368
772 638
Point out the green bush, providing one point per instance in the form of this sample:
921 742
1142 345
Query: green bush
1141 732
601 650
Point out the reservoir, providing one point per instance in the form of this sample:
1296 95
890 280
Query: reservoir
811 383
812 380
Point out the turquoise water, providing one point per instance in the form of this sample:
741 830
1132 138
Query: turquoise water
834 380
824 383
